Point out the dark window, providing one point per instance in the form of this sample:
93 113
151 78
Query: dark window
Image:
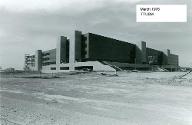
64 68
48 63
53 68
46 54
44 59
52 62
84 68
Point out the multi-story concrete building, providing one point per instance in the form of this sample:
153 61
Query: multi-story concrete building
98 53
29 62
92 47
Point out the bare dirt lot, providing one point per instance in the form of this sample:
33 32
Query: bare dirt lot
134 98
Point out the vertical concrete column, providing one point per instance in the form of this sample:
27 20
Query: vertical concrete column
144 51
72 50
87 46
138 55
178 61
168 52
78 43
168 56
58 53
38 60
71 53
62 50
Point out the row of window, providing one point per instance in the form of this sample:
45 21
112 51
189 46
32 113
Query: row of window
44 59
46 54
61 68
48 63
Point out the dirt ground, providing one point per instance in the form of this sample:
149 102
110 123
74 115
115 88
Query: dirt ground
131 98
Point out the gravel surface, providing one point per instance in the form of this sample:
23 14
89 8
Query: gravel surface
131 98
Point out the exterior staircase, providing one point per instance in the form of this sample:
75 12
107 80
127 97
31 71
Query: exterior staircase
113 66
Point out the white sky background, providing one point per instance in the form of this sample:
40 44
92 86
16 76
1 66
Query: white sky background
28 25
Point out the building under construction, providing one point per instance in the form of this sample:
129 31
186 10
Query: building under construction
99 53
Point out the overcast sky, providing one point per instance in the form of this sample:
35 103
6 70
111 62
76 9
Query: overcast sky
28 25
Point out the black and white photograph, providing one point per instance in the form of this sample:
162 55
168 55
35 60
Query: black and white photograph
95 62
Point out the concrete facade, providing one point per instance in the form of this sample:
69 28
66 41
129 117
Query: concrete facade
99 53
172 59
62 50
78 46
154 57
48 57
100 48
144 52
38 60
29 62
